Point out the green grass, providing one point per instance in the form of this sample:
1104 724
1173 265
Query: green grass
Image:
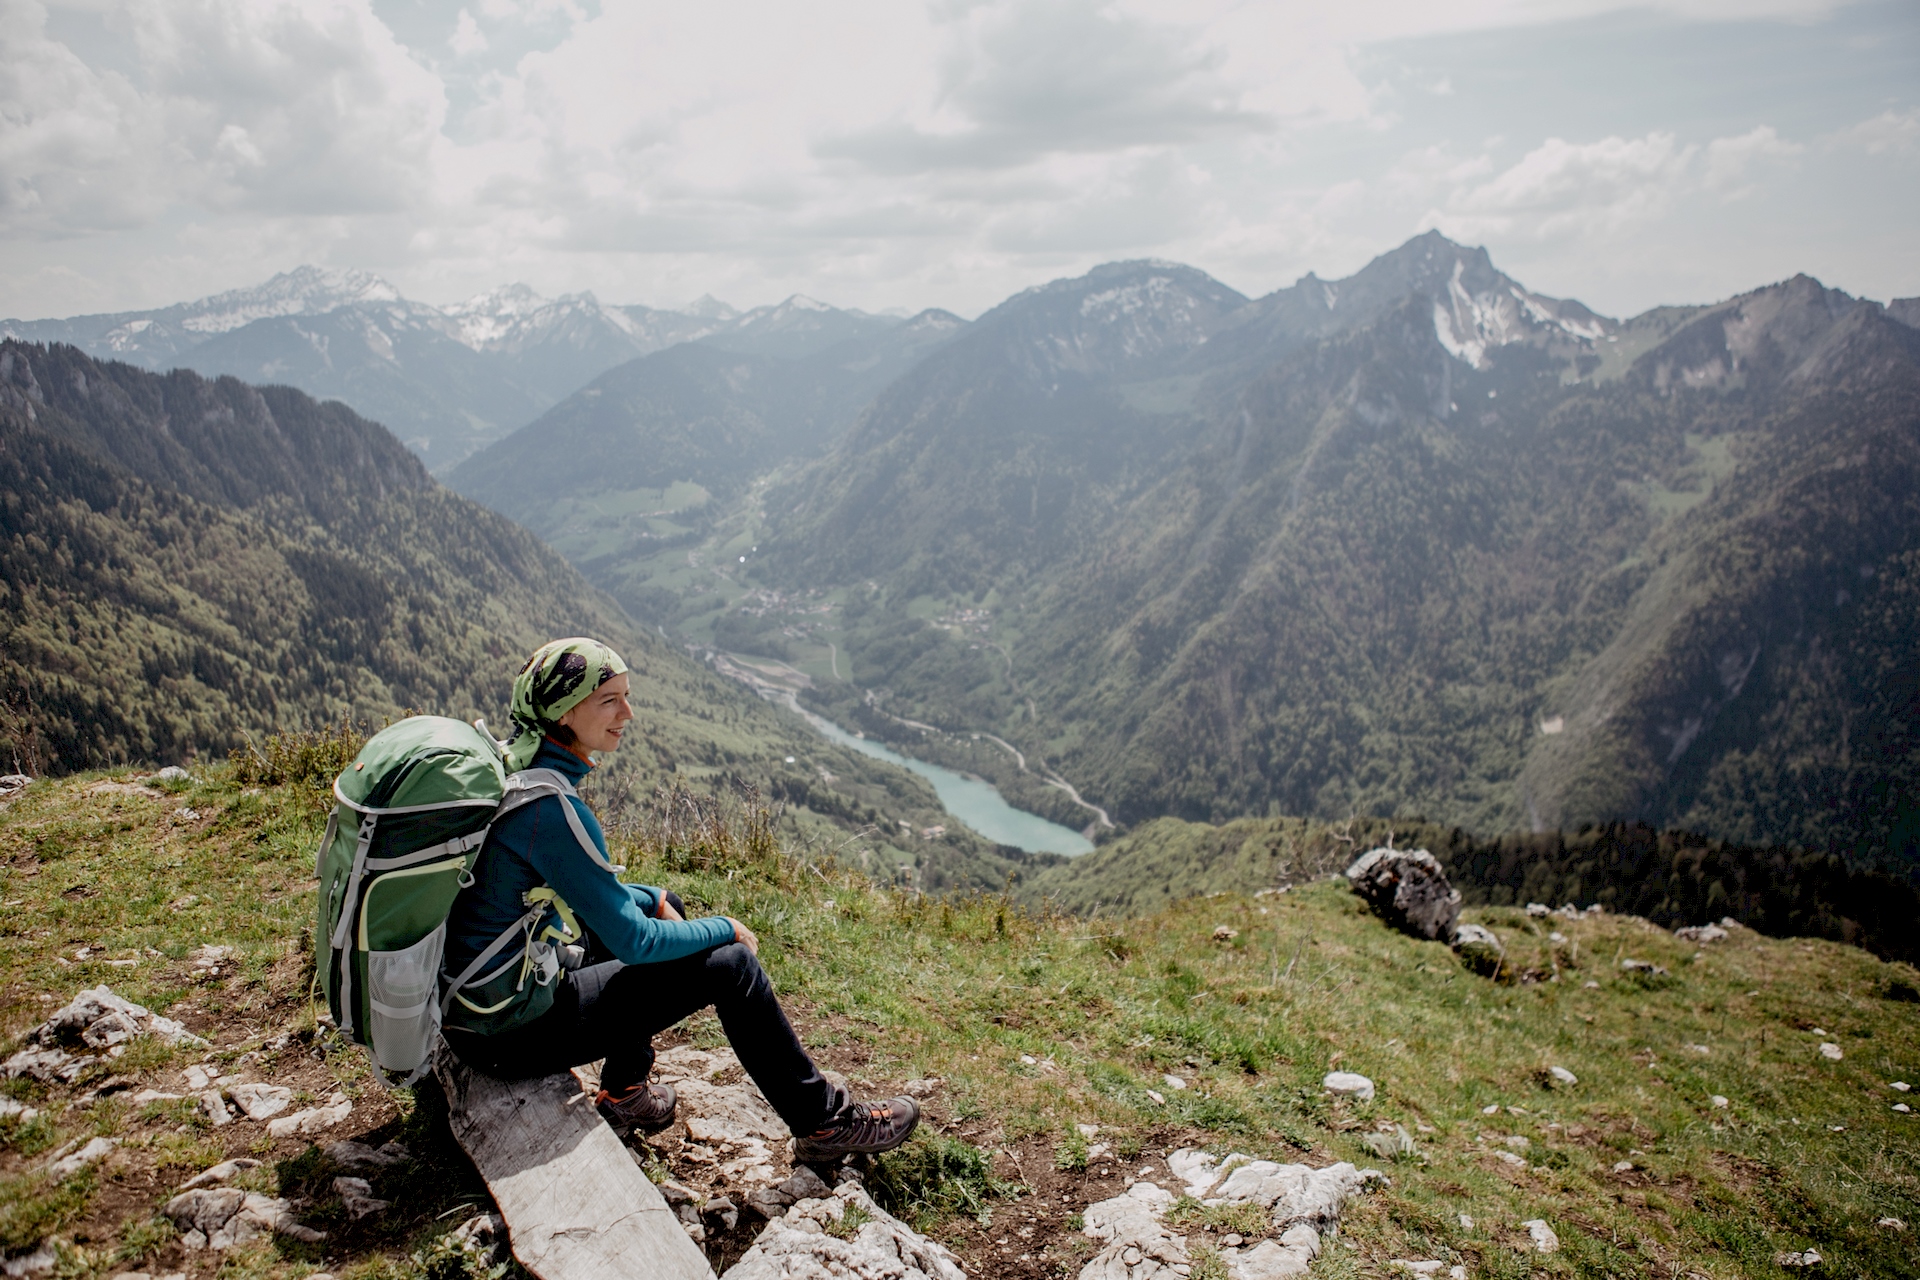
965 988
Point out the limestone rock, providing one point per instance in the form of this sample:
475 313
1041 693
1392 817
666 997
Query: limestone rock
358 1157
1803 1258
1478 947
1701 933
44 1065
313 1119
261 1101
73 1157
1289 1256
1831 1052
215 1108
1563 1076
109 1030
733 1120
221 1172
1294 1193
800 1246
29 1264
357 1195
1137 1244
1348 1084
1305 1202
773 1202
220 1219
98 1018
1544 1239
14 1109
1407 888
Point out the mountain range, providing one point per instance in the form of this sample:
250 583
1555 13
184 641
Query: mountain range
1421 541
187 564
447 380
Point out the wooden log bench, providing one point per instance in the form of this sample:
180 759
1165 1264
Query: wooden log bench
576 1206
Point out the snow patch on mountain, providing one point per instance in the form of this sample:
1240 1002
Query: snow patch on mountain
1469 324
302 291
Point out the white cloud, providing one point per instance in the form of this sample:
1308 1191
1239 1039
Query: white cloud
878 152
1889 133
296 108
78 153
1593 189
467 37
1731 162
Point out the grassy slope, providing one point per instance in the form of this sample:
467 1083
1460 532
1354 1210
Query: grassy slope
1672 877
891 987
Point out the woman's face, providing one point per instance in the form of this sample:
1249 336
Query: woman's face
598 722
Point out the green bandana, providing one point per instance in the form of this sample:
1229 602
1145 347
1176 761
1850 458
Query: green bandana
557 678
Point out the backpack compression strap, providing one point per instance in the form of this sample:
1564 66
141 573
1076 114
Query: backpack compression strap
530 784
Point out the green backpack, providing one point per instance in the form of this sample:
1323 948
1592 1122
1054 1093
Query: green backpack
411 815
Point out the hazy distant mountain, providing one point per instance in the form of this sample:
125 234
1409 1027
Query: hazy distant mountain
447 380
1905 310
1419 541
796 328
592 473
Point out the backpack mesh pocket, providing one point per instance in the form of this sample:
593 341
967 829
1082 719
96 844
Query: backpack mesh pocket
403 989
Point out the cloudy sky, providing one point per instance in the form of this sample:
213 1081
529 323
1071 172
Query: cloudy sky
906 153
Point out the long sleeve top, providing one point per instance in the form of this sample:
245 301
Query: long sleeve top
533 846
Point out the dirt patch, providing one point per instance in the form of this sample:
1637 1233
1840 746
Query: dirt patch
107 787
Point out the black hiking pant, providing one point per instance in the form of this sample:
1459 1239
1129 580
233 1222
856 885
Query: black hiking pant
612 1010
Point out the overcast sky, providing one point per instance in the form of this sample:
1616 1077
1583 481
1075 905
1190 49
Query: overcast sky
910 153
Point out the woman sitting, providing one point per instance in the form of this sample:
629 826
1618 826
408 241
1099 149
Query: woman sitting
520 1009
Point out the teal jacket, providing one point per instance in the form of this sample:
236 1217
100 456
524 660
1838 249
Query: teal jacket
533 848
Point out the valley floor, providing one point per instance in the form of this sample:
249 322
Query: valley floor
1032 1026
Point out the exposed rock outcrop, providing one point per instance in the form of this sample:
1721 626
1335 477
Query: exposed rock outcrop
1304 1204
98 1022
227 1216
1409 890
844 1236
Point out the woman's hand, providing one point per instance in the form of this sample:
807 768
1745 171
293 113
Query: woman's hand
745 936
666 911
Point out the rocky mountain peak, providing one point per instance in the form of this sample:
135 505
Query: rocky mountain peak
1792 330
307 290
1476 307
1118 315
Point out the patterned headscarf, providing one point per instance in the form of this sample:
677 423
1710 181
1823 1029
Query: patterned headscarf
557 678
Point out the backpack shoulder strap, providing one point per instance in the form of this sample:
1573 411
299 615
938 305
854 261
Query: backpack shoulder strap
529 785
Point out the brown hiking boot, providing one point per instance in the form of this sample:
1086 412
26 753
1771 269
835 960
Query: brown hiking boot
861 1128
646 1107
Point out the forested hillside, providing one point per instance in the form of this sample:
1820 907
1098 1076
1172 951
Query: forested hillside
644 459
1419 542
190 562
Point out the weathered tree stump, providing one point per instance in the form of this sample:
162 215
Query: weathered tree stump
576 1206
